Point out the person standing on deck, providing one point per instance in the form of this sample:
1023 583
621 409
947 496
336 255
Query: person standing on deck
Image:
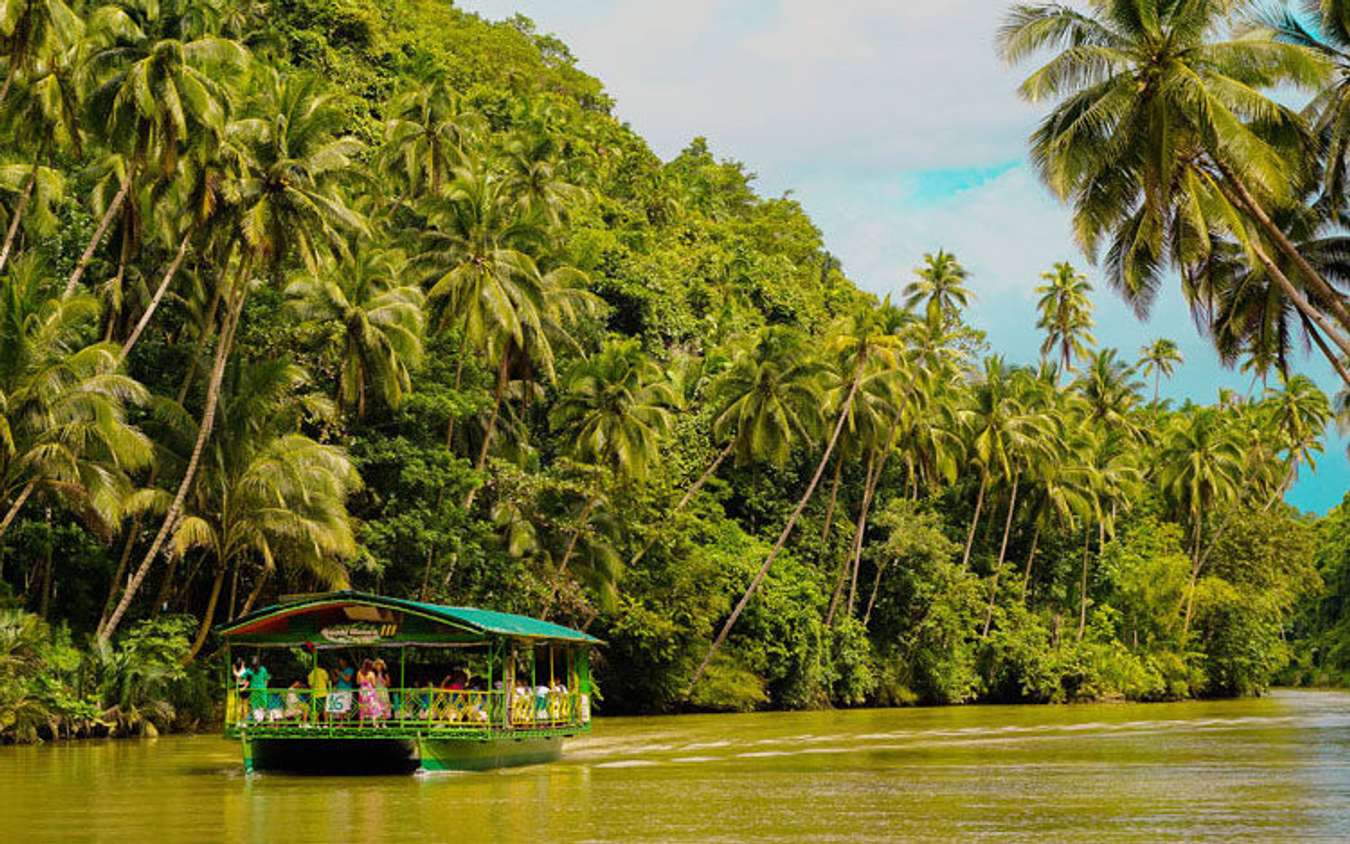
257 683
318 686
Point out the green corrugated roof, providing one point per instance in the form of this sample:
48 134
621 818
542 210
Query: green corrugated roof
485 621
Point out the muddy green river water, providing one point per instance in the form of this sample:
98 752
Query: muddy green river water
1277 768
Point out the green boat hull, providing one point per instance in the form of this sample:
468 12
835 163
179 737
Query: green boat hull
393 756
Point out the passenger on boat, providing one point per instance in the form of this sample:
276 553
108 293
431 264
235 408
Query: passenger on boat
296 709
340 700
384 706
239 703
258 702
318 684
369 701
424 699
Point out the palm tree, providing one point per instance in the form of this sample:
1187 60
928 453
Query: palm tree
427 131
1152 143
1199 468
31 30
1110 391
764 404
157 88
1159 360
63 428
268 494
939 286
1301 414
861 341
614 411
381 319
998 428
1066 314
289 202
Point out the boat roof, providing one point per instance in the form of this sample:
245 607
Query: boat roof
472 619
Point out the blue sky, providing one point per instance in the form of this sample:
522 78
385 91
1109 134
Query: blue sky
898 130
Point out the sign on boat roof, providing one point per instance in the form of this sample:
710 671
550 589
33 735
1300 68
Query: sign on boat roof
358 618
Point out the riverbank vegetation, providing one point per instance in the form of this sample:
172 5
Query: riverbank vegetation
328 293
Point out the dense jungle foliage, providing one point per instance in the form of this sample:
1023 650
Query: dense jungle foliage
327 293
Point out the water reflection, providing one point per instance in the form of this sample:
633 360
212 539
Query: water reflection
1272 768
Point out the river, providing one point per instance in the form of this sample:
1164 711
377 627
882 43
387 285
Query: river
1273 768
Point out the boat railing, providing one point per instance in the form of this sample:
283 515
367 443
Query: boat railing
406 709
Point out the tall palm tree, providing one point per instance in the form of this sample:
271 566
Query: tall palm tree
1159 360
940 286
381 319
63 427
289 203
614 411
862 341
1199 468
31 30
1301 413
1110 392
268 494
158 86
427 131
1066 314
766 403
1161 135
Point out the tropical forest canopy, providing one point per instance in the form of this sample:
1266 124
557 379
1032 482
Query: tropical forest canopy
336 293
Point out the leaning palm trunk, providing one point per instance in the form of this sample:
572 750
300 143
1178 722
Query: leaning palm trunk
561 574
1031 558
97 238
207 618
190 473
1002 555
1306 309
503 377
837 595
782 537
1324 291
155 300
834 500
1082 584
688 496
13 232
1337 362
869 492
16 507
975 520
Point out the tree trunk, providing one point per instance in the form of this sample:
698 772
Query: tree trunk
12 234
1002 555
782 537
1082 584
569 551
1157 385
975 520
1336 361
1196 562
45 589
155 300
1306 309
503 378
1031 557
872 601
189 474
837 595
9 81
256 592
16 507
834 499
1324 291
869 488
88 255
688 496
207 618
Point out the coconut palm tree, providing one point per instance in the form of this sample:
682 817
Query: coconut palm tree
288 203
1301 414
1159 360
31 30
63 427
1199 468
940 286
381 319
614 411
1161 135
1065 314
1110 392
158 86
268 494
427 131
862 341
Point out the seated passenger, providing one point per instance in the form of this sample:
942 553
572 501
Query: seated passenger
297 708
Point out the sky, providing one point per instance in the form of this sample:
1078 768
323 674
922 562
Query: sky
900 132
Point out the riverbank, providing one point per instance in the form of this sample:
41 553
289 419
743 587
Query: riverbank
1274 767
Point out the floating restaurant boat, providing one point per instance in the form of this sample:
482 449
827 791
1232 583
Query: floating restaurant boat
526 686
